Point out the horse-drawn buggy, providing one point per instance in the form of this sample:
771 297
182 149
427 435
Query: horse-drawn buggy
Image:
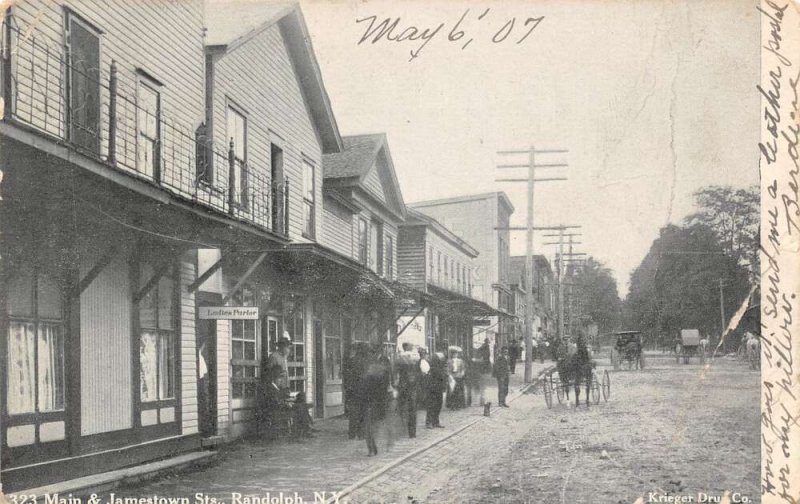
690 344
627 348
575 369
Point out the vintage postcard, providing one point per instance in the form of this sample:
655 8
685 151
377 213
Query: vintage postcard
372 251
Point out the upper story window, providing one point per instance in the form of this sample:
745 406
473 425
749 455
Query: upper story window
430 264
458 277
83 78
363 241
377 228
309 201
148 134
389 257
446 272
439 267
237 135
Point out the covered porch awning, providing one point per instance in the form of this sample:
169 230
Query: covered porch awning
443 298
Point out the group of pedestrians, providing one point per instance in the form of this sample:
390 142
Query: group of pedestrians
375 387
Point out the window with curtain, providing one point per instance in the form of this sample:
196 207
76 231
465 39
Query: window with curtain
377 226
244 348
237 132
157 336
309 204
148 110
35 354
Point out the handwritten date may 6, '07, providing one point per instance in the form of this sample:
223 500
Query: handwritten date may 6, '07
393 30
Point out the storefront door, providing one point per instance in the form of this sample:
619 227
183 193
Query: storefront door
206 348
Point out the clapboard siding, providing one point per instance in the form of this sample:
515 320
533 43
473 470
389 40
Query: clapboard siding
337 227
373 184
260 79
164 38
453 254
411 256
188 273
105 314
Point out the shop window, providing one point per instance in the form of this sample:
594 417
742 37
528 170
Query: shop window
35 379
157 337
295 327
333 349
244 349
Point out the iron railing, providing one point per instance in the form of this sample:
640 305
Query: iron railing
102 118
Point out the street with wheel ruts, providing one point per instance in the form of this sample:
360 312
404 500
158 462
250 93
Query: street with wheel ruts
667 430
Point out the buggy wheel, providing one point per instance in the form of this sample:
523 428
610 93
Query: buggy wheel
560 392
606 385
595 388
547 388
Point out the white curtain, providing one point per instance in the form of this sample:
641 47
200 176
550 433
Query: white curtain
21 369
51 367
148 357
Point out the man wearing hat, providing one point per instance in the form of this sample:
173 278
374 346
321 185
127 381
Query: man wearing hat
278 366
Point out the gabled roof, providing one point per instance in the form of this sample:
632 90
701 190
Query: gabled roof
350 167
356 158
232 23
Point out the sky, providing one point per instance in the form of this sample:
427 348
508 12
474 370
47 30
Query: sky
653 100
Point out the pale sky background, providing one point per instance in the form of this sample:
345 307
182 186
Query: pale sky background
653 100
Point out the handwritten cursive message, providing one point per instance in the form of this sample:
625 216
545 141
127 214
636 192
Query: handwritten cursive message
501 29
780 170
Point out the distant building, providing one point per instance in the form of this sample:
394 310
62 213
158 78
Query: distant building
544 290
439 264
482 221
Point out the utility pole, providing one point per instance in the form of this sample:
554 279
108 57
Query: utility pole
721 309
529 262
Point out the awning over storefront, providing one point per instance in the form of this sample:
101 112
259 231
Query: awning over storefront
313 267
449 300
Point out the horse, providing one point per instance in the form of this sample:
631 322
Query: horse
576 368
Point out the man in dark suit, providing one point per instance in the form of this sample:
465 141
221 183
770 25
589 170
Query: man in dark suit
408 374
436 385
502 372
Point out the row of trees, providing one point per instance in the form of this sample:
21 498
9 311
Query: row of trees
691 268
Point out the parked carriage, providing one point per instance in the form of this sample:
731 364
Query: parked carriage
627 348
691 344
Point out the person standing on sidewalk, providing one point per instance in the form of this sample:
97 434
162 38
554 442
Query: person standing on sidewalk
408 373
514 352
502 372
456 369
354 395
376 385
436 385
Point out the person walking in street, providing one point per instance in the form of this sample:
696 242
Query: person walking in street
501 373
408 374
456 369
436 385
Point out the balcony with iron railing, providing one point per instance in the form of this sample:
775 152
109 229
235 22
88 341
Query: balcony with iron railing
94 110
